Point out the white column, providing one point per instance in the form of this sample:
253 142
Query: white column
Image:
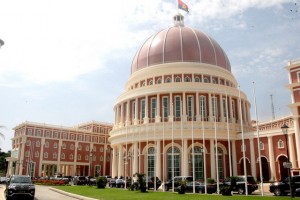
136 115
158 160
185 158
271 158
146 119
127 113
135 159
252 158
122 115
22 157
244 110
41 156
121 163
210 108
184 116
117 115
291 147
114 172
221 108
171 107
212 159
157 117
230 109
297 137
197 107
234 162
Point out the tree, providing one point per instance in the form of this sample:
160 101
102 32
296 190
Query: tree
1 134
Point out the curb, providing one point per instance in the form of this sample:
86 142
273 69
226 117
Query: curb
79 197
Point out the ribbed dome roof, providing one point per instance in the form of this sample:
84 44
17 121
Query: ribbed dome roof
180 44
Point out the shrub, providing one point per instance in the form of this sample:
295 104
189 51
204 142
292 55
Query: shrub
141 181
210 180
101 182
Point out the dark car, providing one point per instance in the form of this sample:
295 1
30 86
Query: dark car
200 187
19 186
177 181
120 183
112 182
79 180
240 184
151 183
297 192
90 180
283 187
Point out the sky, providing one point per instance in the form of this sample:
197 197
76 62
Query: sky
65 62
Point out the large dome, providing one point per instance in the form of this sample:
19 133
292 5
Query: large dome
180 44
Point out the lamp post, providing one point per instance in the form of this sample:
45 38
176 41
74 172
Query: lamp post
287 165
91 160
1 43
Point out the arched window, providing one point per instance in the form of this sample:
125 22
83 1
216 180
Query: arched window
101 149
220 163
54 155
206 80
64 146
72 146
86 157
197 79
187 79
87 148
63 156
101 158
151 162
214 81
158 81
175 156
190 107
47 144
46 155
233 108
177 79
71 156
168 80
198 158
38 144
27 154
214 103
150 82
28 143
79 157
37 154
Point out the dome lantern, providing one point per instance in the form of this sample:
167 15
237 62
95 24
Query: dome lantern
178 20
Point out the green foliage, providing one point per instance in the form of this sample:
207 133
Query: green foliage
141 181
101 182
210 180
181 188
3 163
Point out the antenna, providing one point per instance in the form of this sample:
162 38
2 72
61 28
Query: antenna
272 107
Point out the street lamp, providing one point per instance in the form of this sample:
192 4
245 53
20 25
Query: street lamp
1 43
91 157
287 165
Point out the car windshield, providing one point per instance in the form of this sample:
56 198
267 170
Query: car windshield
20 179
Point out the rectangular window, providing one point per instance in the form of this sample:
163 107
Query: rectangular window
151 165
190 110
177 106
224 107
203 106
142 109
214 106
165 107
133 110
153 108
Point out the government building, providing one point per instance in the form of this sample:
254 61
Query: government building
181 114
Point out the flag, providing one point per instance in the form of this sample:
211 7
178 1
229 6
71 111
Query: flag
183 6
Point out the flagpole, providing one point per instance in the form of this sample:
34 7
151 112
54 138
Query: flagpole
140 146
172 151
258 144
204 153
216 141
163 152
182 157
243 142
147 129
193 151
228 136
155 153
126 161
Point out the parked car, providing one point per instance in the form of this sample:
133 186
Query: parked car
90 180
283 187
120 183
19 186
151 183
240 184
177 181
79 180
199 187
3 179
297 192
112 182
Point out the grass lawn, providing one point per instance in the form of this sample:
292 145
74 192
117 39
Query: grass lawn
117 194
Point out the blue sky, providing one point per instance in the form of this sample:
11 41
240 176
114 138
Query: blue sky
66 62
